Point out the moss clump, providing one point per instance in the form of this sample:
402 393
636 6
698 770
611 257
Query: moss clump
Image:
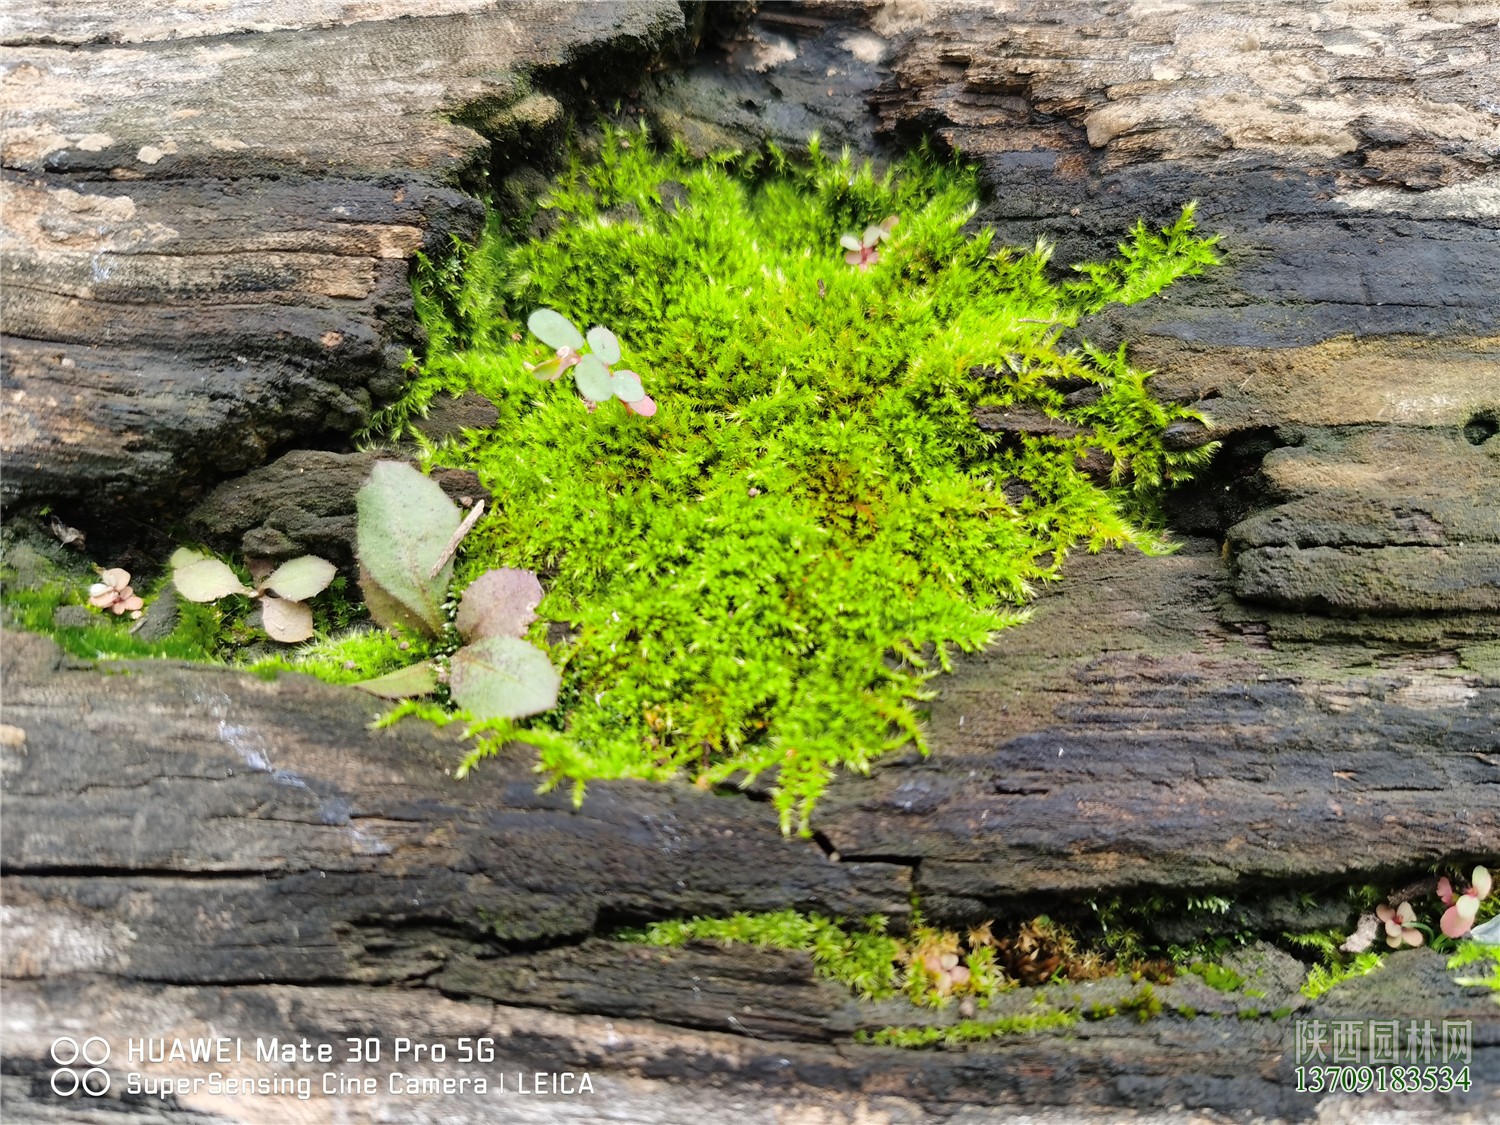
1320 978
863 960
1481 965
195 636
970 1031
766 574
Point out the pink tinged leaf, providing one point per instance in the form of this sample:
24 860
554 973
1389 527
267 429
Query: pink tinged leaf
99 588
207 580
593 380
554 329
627 386
1482 882
404 520
849 242
1384 912
854 257
645 407
933 963
872 236
602 343
102 601
1406 914
959 975
503 678
499 603
1393 940
131 604
1452 925
284 621
404 683
1412 938
118 608
1445 890
949 962
1467 907
115 578
302 578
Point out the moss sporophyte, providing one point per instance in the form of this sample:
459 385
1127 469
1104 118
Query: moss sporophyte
764 568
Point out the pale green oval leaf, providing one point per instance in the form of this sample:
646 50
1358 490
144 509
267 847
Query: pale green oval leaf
284 621
301 578
554 329
499 603
627 386
593 380
602 343
185 557
503 678
403 683
849 242
207 580
405 522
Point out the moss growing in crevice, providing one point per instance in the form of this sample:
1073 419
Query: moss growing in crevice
766 575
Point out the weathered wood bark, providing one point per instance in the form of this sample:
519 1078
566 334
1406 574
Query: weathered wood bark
209 220
1307 695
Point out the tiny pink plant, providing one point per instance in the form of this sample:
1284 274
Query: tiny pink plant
1398 922
1458 919
863 251
113 592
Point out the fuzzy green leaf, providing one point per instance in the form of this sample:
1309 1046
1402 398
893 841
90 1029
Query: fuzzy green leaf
554 329
627 386
301 578
593 380
403 683
499 603
405 521
207 580
603 344
503 678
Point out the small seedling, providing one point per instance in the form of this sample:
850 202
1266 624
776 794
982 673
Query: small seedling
863 250
1458 919
113 592
282 593
1398 923
591 371
407 532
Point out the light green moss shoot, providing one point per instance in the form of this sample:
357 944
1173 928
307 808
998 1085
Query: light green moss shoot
863 960
766 574
1481 965
970 1031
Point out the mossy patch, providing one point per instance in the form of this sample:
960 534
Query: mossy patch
766 575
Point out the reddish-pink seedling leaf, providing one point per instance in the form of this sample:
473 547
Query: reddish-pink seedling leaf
284 621
645 406
499 603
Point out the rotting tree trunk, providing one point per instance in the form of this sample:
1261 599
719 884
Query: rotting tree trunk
190 851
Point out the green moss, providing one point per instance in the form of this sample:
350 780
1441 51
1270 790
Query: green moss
1217 976
1320 978
766 575
863 960
1472 955
349 657
970 1031
1143 1002
195 637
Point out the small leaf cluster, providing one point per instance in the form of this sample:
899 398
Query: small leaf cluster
766 579
408 530
283 593
591 371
